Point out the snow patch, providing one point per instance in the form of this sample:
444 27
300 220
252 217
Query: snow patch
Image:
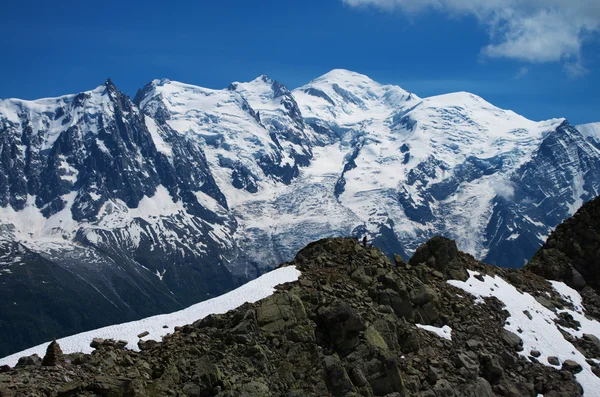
539 333
253 291
443 332
161 145
209 203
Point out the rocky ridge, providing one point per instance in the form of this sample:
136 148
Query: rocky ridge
572 250
347 327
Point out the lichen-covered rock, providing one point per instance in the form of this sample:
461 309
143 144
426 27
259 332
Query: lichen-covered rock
346 328
279 312
511 339
340 326
571 366
337 378
32 360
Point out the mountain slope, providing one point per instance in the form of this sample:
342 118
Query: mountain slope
403 167
353 323
162 325
452 164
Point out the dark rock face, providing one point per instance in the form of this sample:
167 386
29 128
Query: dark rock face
441 254
572 252
334 332
420 176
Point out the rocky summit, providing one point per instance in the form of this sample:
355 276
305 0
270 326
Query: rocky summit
355 324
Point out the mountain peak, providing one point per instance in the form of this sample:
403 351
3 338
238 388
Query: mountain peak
109 85
350 96
263 86
110 88
260 81
364 87
160 82
343 75
264 78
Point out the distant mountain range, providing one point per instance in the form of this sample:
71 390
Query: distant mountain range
114 209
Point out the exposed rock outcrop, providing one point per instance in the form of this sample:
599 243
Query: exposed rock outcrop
347 328
572 252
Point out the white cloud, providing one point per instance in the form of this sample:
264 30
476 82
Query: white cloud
504 189
526 30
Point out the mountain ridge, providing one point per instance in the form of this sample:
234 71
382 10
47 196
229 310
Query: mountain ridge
183 192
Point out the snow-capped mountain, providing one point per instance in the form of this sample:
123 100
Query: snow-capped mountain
139 207
101 215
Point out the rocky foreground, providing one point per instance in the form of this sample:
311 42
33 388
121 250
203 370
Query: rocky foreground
352 325
346 328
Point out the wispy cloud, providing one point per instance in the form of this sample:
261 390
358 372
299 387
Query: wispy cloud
523 71
527 30
575 69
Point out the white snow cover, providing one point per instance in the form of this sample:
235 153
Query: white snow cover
223 122
253 291
541 332
159 142
449 127
443 332
39 111
40 233
259 94
590 131
587 326
346 98
384 118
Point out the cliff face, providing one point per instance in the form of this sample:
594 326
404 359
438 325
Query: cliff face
572 252
354 324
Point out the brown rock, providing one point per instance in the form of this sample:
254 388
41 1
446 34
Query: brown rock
572 366
54 355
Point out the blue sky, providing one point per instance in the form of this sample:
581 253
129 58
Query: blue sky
547 69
